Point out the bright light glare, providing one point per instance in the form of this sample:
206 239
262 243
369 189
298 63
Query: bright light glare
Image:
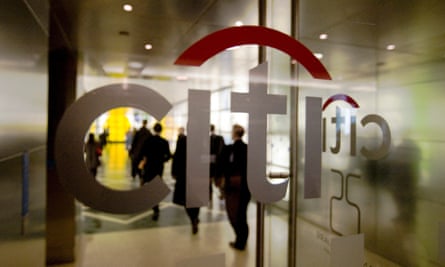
233 48
239 23
148 46
391 47
318 55
323 36
128 7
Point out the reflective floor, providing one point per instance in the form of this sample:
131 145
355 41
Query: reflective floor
129 240
115 173
105 239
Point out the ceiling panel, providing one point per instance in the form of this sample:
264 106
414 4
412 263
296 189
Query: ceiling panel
359 31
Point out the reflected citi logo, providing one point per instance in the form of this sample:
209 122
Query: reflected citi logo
257 103
344 124
349 124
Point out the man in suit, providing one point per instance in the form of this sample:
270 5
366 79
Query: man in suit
155 152
136 147
216 176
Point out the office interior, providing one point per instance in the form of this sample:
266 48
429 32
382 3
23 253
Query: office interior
380 200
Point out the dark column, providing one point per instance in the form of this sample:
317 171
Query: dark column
62 66
293 179
260 210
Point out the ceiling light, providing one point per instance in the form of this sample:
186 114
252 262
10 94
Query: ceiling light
135 65
323 36
128 7
239 23
318 55
390 47
148 46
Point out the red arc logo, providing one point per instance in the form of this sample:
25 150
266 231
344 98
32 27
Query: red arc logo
218 41
340 97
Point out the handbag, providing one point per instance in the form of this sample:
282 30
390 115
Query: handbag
99 151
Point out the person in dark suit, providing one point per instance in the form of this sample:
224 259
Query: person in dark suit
216 177
155 152
237 194
178 171
93 152
136 147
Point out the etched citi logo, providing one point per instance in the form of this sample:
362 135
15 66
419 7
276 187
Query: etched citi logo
257 103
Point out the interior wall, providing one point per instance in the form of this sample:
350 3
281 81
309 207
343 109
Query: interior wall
394 201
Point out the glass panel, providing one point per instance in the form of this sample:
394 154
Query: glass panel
173 83
380 175
278 142
23 132
382 138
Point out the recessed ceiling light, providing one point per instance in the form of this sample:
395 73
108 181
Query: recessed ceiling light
148 46
135 64
323 36
390 47
128 7
239 23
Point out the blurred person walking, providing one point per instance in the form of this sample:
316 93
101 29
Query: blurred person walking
236 191
137 143
216 176
93 151
178 172
155 152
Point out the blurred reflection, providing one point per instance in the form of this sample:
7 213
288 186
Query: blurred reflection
403 174
115 131
114 171
398 175
108 164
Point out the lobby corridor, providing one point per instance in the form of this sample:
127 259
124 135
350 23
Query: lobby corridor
105 239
